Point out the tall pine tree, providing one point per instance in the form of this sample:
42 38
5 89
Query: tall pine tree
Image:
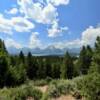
67 68
3 64
95 67
21 57
31 67
84 60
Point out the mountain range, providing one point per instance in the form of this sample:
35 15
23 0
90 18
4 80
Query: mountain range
50 50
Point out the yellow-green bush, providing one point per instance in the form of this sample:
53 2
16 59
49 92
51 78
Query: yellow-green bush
89 86
20 93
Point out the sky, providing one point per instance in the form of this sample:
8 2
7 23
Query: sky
43 23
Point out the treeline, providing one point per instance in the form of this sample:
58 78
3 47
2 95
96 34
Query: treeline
15 70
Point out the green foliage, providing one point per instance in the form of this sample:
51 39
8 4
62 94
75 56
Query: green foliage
3 70
31 68
60 87
95 67
2 47
85 59
55 71
20 93
17 75
24 93
67 68
76 68
15 70
89 86
45 97
40 82
21 57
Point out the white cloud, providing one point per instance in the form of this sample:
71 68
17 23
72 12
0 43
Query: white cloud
44 12
34 41
88 38
59 2
12 11
5 25
36 11
90 34
18 24
68 44
55 30
12 43
49 14
21 24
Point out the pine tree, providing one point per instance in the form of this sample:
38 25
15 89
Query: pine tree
55 71
95 67
85 59
41 73
68 68
3 63
48 68
89 54
21 57
16 75
3 47
82 61
3 69
31 67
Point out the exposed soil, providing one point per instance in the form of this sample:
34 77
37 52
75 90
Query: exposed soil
44 89
67 97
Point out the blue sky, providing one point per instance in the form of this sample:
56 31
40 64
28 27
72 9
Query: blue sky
59 23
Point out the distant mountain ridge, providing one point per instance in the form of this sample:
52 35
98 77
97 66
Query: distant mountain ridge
50 50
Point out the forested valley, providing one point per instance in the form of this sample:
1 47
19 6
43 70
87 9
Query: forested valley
78 76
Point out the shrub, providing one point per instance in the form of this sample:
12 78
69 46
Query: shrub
53 91
89 86
5 94
20 93
27 91
40 82
59 87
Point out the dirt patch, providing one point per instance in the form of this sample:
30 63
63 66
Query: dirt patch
67 97
44 89
30 98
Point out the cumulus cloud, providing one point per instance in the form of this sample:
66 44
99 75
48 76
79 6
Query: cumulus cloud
18 24
68 44
45 13
12 43
36 11
40 11
5 25
12 11
55 30
34 41
90 34
21 24
88 38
